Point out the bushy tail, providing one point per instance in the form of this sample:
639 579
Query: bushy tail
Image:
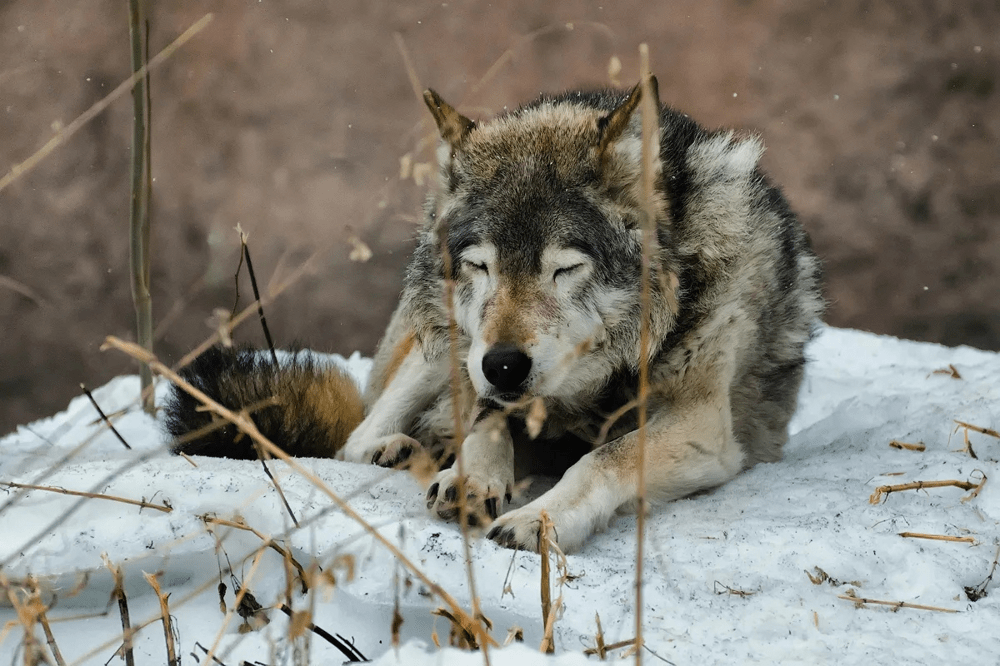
305 405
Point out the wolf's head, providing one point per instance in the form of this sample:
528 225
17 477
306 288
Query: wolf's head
538 221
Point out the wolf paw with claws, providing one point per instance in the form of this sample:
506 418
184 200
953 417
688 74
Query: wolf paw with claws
485 499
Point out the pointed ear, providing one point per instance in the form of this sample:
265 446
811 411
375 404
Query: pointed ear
613 125
452 125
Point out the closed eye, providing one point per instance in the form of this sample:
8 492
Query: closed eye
566 270
476 267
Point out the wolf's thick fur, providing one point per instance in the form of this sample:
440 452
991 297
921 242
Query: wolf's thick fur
537 221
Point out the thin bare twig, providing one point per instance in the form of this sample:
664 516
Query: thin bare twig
168 631
104 417
883 491
118 593
548 645
650 127
861 601
139 236
896 444
256 295
936 537
247 312
977 592
979 429
346 647
165 508
268 541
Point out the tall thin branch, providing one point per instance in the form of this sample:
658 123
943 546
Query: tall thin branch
650 127
139 212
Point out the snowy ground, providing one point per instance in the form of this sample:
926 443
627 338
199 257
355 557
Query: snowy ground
727 572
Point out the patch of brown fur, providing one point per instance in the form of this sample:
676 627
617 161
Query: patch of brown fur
400 351
505 321
334 400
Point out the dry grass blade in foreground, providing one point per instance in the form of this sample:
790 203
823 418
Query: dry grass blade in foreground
141 191
118 593
165 508
650 129
168 630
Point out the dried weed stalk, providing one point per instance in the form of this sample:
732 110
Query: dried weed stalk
896 444
882 492
938 537
165 507
118 594
345 646
90 396
650 130
168 629
861 602
141 186
977 592
550 609
268 542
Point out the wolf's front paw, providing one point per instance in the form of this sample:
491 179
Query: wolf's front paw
519 530
387 451
485 498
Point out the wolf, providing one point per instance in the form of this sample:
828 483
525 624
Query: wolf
529 338
519 335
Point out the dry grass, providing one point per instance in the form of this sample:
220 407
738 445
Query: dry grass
882 492
861 602
937 537
896 444
165 508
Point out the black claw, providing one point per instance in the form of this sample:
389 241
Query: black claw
449 513
376 456
472 520
507 496
451 494
432 493
504 537
491 507
449 461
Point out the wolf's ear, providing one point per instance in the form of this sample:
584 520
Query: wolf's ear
452 125
612 126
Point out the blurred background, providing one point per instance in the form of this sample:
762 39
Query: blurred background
297 119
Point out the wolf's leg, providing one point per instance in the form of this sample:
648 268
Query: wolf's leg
686 450
487 459
380 438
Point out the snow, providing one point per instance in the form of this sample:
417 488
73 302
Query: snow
727 573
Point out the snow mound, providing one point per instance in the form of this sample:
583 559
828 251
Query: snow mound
750 572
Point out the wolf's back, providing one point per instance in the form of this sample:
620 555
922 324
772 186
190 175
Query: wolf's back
304 404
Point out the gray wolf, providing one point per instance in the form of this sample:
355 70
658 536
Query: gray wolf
536 225
515 346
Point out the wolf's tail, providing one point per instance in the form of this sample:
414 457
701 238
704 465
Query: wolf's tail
304 404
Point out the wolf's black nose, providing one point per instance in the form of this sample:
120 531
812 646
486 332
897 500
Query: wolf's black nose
506 366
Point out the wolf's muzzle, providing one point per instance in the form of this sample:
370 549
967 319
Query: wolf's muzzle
506 367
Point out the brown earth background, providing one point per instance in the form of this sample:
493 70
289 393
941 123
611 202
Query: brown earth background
293 118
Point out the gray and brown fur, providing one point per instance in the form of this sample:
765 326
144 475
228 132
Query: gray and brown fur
537 219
